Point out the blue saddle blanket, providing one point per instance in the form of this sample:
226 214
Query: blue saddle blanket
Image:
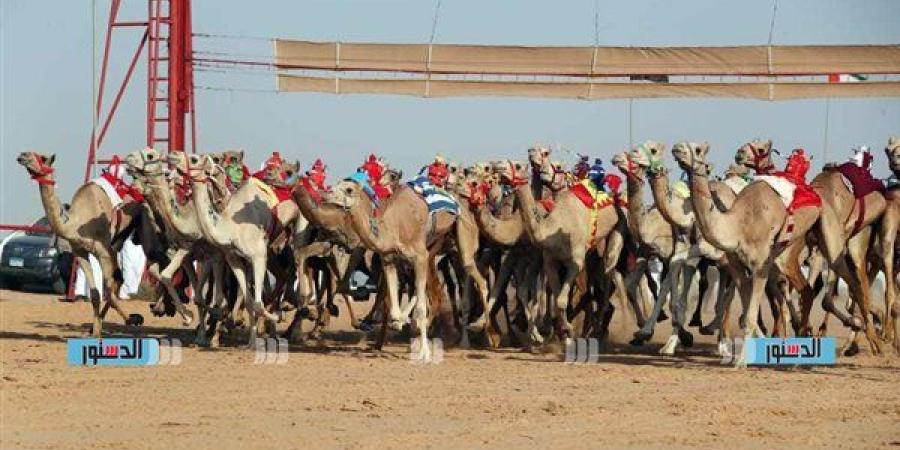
436 199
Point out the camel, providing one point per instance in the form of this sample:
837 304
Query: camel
507 234
844 234
564 237
404 231
242 231
90 225
678 211
887 244
655 235
751 231
183 234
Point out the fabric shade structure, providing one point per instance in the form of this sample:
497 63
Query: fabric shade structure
586 72
584 90
588 61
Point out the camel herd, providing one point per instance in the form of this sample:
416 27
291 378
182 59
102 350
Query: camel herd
527 256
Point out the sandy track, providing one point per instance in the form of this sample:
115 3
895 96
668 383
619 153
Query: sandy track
341 395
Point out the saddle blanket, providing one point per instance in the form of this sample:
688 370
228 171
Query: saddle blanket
737 184
274 194
436 199
109 189
860 182
681 189
592 197
792 195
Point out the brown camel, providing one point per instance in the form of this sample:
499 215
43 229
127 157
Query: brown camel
887 244
564 237
752 230
404 231
89 226
844 234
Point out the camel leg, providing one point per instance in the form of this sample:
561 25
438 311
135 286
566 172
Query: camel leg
665 290
703 268
218 300
860 289
561 293
500 283
84 261
392 282
420 348
187 317
110 284
679 306
751 292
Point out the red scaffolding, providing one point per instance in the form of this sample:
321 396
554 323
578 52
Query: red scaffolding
167 35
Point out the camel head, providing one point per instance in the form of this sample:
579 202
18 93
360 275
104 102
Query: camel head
510 172
39 166
538 156
391 177
345 194
756 154
232 157
467 186
628 166
146 162
691 157
291 171
649 156
190 164
893 154
454 173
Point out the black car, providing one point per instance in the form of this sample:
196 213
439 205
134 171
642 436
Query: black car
32 258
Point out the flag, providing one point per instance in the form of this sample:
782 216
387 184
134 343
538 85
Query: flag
846 78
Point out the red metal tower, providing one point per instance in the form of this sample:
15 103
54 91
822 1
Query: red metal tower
170 78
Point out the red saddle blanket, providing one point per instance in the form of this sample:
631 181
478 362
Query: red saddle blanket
122 188
860 179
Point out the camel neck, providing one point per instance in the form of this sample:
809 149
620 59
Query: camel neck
659 186
717 227
505 232
526 207
368 228
635 192
54 211
209 220
176 218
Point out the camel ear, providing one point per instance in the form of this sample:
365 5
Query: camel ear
705 147
49 161
769 144
242 155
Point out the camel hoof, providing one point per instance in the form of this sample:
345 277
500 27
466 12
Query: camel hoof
852 349
662 317
636 342
187 319
642 335
805 331
303 312
686 338
708 330
157 311
396 325
695 322
134 320
669 348
366 326
476 326
724 350
334 310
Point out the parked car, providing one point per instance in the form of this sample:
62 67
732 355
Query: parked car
32 258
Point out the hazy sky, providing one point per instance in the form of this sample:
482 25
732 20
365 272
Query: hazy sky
45 83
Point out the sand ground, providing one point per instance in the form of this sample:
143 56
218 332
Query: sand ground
339 394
